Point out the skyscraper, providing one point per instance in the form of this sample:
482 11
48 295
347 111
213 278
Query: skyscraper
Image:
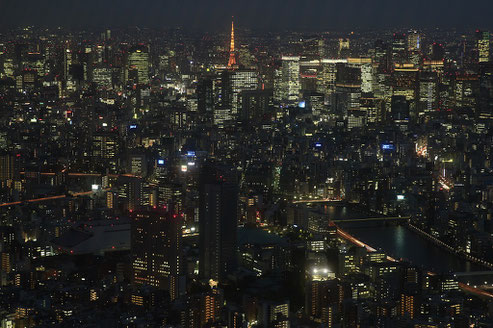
156 249
7 167
399 48
483 46
236 82
138 62
290 85
205 96
218 222
413 41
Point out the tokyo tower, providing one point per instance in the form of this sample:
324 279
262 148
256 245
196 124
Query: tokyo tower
232 56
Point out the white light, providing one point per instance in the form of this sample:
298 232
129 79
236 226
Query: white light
95 187
184 168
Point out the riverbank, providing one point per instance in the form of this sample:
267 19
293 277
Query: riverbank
449 248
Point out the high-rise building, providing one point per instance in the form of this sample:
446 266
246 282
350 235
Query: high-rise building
130 192
483 46
326 77
290 86
7 167
428 93
105 147
205 96
343 49
413 41
156 249
218 201
138 62
236 82
399 48
254 104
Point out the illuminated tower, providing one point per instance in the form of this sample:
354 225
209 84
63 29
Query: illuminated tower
232 56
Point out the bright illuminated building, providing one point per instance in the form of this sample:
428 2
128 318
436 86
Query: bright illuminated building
290 85
138 62
343 47
241 80
413 41
483 46
407 305
326 77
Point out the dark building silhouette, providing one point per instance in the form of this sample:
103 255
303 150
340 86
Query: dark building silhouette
218 222
156 249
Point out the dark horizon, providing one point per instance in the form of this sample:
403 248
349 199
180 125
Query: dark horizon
255 14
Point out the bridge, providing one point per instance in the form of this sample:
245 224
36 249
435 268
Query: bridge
48 198
80 174
473 273
323 200
383 218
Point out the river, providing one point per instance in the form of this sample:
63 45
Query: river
399 242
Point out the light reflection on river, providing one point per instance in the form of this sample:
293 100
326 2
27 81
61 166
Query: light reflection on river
399 242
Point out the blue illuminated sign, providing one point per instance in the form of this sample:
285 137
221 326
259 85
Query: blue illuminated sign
388 147
160 162
133 126
190 153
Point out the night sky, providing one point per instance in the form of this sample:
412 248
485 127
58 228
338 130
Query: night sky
262 14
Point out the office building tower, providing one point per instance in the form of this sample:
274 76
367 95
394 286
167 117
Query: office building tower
7 167
290 86
254 104
428 93
156 249
437 52
235 82
326 77
138 64
405 82
343 49
348 90
275 314
205 96
483 46
400 111
413 41
105 148
399 48
218 201
130 192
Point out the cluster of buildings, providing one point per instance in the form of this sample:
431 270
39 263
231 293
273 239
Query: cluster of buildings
166 178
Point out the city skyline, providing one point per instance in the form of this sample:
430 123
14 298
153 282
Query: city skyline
184 178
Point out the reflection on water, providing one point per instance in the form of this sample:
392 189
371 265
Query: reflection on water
399 242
